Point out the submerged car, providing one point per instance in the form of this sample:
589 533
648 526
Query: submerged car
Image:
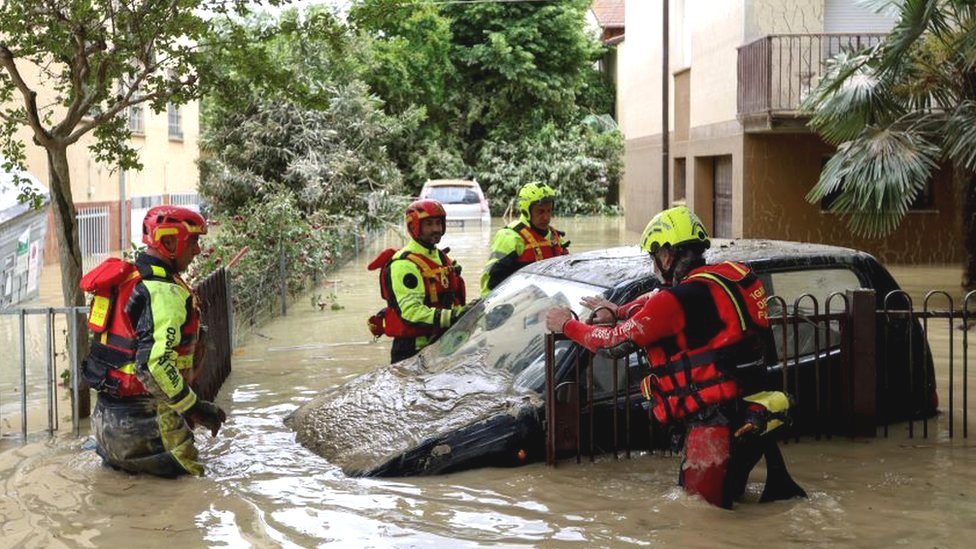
475 397
463 200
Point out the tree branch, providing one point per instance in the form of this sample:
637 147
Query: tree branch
30 96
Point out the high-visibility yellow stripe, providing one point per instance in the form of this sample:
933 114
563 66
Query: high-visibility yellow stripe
717 280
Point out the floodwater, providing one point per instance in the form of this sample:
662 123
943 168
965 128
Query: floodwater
264 490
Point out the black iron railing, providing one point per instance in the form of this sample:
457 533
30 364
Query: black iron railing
854 368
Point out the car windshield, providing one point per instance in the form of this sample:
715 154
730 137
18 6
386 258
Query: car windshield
507 329
458 194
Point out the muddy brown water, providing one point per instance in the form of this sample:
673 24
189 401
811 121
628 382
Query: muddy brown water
265 490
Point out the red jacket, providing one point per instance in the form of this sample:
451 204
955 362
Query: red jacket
693 333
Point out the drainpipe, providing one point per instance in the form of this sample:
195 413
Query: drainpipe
123 234
665 23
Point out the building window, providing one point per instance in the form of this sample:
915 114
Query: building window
137 123
175 121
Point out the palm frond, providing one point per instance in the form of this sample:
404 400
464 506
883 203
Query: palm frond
916 18
959 135
850 96
878 175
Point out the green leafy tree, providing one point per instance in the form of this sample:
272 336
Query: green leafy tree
520 64
898 111
485 74
73 67
290 112
580 163
410 65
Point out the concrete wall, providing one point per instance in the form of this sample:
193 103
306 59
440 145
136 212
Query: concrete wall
716 33
762 17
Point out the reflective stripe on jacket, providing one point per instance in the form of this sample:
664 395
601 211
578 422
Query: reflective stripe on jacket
423 290
150 338
693 333
515 246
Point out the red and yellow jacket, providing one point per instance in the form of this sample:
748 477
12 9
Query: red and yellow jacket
515 246
423 289
694 334
145 321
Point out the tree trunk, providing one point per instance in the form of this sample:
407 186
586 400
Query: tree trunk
967 180
69 256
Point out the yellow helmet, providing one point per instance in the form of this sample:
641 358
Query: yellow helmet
534 193
673 227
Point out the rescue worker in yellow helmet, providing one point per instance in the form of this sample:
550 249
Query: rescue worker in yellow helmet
146 322
699 332
526 240
422 286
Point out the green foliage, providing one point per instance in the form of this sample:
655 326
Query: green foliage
520 63
70 68
276 233
292 114
577 162
896 111
485 74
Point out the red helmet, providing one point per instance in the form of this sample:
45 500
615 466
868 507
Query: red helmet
163 221
422 209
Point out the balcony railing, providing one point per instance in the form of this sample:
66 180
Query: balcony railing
776 72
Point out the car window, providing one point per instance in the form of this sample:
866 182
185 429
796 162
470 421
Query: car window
454 194
507 329
819 283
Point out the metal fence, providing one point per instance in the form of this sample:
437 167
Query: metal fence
259 299
854 368
39 345
45 366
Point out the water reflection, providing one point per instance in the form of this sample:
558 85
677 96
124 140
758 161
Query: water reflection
264 490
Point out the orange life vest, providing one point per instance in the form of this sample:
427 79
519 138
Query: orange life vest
691 380
443 287
115 342
538 248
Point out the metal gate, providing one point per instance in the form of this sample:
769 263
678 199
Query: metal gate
93 233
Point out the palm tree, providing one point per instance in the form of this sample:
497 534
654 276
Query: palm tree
897 112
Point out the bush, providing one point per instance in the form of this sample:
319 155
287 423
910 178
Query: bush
578 162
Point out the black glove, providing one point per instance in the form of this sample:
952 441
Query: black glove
754 421
206 413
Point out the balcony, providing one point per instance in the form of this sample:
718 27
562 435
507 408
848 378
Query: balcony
776 73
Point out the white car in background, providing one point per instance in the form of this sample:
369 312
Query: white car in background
463 200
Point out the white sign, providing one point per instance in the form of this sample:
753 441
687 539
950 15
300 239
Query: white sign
22 245
33 266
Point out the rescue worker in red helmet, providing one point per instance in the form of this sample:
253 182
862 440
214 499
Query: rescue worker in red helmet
146 321
422 286
526 240
697 331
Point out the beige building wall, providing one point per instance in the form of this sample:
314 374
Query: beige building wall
772 172
169 165
716 32
762 17
782 168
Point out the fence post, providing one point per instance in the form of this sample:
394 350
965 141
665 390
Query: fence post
283 275
862 368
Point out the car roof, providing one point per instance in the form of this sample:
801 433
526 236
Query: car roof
451 183
613 267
